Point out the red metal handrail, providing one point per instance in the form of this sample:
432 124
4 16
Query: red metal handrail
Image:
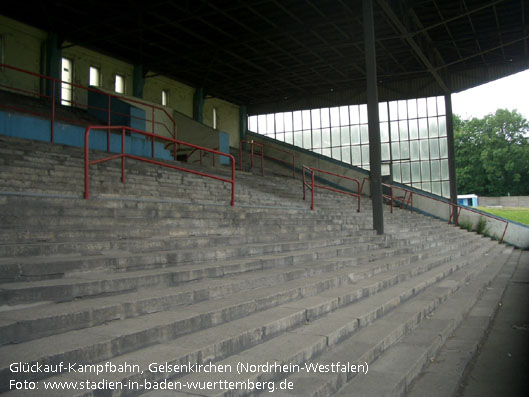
263 155
124 155
201 154
455 209
54 100
366 178
252 143
406 200
312 185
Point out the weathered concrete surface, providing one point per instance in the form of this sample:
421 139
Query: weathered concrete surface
502 364
510 201
494 338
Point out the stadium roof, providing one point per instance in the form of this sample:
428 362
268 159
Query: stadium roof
274 55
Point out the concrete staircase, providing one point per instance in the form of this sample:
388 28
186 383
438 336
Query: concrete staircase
163 270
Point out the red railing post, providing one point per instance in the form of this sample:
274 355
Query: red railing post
314 186
152 120
233 180
152 143
391 190
303 180
240 155
358 187
52 137
123 155
504 231
458 213
108 123
262 160
451 205
312 192
86 164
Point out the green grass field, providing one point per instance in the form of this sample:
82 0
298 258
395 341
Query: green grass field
518 214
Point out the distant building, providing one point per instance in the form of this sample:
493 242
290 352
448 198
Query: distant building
470 200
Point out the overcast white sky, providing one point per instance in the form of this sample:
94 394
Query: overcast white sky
508 93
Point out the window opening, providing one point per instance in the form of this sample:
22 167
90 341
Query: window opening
119 84
95 76
214 122
66 77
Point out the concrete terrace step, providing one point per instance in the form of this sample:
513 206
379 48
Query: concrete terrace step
446 369
160 327
137 303
195 226
366 341
147 242
124 260
19 292
163 269
402 363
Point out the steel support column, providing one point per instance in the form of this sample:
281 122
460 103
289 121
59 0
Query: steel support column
53 61
243 122
138 81
372 110
451 149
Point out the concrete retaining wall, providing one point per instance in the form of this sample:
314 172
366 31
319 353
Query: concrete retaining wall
428 204
308 158
512 201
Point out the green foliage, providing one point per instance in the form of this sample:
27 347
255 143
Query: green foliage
466 224
492 154
481 228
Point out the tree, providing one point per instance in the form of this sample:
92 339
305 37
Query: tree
492 154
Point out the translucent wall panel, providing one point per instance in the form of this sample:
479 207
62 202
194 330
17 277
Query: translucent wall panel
307 139
384 132
335 117
305 120
412 135
280 124
383 112
344 115
297 121
270 125
316 120
325 117
287 118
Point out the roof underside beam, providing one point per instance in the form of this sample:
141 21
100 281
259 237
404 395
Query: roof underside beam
413 44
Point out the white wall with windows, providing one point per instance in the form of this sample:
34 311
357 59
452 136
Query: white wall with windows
412 134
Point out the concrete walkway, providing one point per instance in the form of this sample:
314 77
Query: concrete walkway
488 354
502 365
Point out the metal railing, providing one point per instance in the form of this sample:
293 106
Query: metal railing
262 155
405 201
49 85
366 178
252 154
312 185
201 155
454 209
123 155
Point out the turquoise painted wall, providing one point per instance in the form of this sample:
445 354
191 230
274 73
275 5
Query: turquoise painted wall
29 127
